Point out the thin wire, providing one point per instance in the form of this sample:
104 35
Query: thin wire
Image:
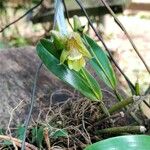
31 105
34 87
101 39
126 33
18 19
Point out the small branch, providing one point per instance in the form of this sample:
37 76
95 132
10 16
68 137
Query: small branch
146 103
47 140
126 33
18 142
21 16
8 128
121 130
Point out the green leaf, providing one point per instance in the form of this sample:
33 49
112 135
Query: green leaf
48 45
7 143
59 133
38 135
47 55
101 63
128 142
2 131
92 82
20 132
131 86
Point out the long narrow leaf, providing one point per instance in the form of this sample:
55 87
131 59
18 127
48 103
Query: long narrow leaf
101 63
92 82
62 72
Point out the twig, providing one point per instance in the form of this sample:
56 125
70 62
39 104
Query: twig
47 140
101 39
18 142
126 33
8 128
18 19
31 106
146 103
88 139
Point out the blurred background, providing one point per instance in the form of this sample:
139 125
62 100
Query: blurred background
134 15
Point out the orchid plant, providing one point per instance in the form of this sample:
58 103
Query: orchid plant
66 57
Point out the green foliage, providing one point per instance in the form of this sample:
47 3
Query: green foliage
37 135
59 133
2 45
129 142
71 77
100 63
20 132
64 57
2 131
18 42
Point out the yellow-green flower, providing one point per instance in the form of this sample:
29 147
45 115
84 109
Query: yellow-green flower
73 50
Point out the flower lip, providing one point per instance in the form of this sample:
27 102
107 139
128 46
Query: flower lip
74 54
73 49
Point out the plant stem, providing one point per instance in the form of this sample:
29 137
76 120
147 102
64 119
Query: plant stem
18 142
106 112
104 109
120 105
118 95
120 130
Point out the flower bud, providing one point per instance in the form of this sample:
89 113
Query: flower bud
59 40
77 24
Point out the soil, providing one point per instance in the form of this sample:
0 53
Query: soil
18 67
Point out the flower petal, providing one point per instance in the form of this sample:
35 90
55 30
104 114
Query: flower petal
74 54
75 41
76 64
63 56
